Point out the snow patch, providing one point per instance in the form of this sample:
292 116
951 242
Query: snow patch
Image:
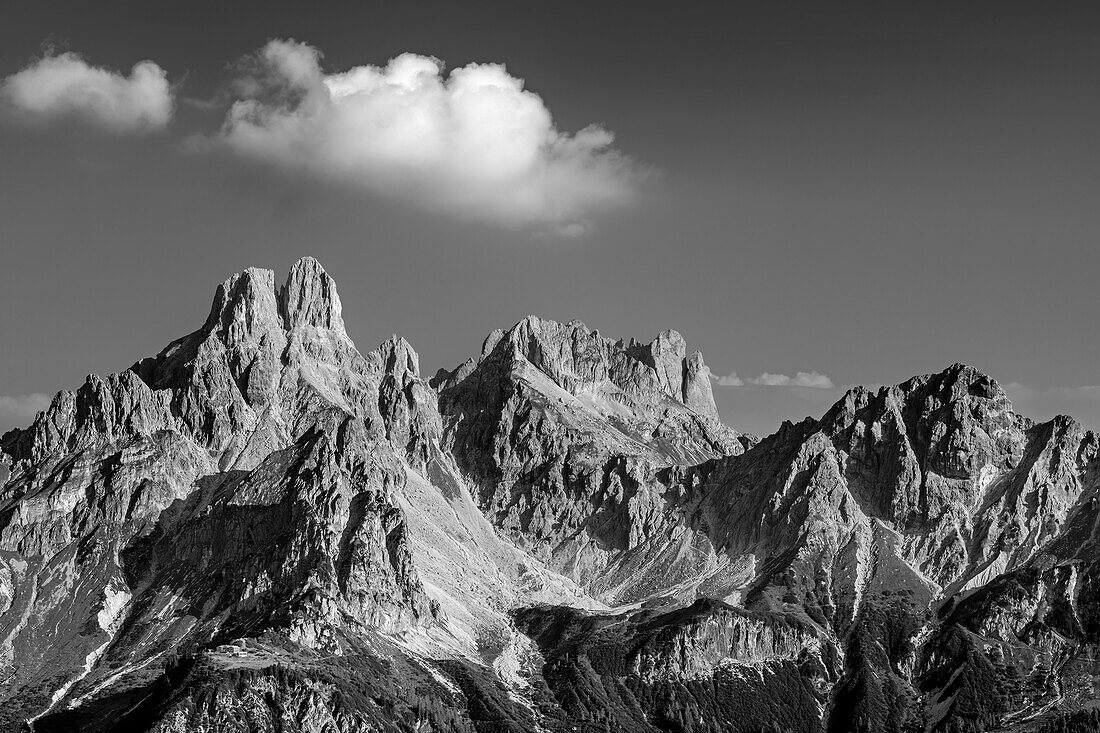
114 600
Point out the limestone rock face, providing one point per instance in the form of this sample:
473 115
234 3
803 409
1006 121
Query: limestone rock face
707 666
666 355
119 407
874 519
408 406
244 479
263 528
309 298
564 432
697 391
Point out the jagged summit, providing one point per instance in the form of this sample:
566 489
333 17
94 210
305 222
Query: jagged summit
398 355
249 301
959 379
579 359
309 297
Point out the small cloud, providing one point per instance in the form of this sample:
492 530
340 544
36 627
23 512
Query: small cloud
809 380
472 142
574 229
771 380
66 86
813 380
22 408
730 380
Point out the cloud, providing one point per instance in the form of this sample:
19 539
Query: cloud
810 380
472 142
66 86
772 380
731 380
22 408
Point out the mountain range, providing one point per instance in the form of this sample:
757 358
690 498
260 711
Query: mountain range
263 529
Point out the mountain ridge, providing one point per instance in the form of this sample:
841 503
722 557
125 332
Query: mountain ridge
260 523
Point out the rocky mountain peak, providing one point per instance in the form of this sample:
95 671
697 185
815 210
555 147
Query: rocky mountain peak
244 306
309 297
958 382
927 397
666 354
397 356
249 304
696 387
118 407
683 377
578 358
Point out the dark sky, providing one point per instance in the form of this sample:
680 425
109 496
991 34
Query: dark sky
869 193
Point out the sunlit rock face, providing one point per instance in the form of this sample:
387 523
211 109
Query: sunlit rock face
564 434
241 481
263 528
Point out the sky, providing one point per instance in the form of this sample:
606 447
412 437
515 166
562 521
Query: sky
815 197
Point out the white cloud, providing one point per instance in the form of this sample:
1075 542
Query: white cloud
813 380
65 85
731 380
810 380
22 408
771 380
473 142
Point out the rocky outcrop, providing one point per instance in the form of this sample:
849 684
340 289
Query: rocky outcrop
408 406
706 667
102 411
